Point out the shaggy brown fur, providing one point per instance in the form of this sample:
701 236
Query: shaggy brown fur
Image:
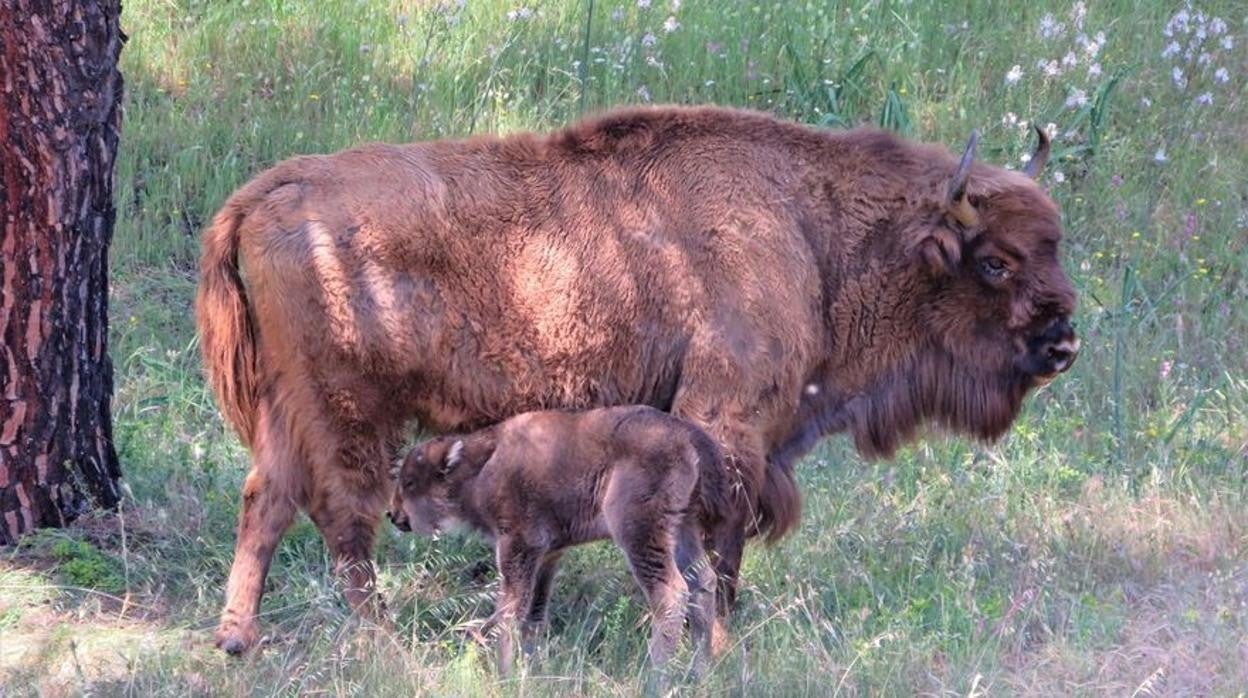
542 482
768 282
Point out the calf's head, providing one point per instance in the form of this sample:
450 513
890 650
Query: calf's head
422 495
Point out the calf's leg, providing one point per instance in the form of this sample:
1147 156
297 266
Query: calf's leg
518 563
699 575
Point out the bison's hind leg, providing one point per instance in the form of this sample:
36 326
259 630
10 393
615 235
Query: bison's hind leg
271 493
349 494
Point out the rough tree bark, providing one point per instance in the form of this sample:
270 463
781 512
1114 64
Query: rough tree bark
60 117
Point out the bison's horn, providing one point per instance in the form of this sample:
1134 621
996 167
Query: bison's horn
1036 164
958 205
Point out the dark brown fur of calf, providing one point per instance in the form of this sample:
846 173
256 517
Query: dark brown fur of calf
541 482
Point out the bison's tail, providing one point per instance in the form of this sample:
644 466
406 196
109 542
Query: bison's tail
779 504
226 331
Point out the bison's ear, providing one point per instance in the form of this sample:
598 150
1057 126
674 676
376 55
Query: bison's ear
957 203
940 251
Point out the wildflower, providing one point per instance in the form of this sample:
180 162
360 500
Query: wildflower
1059 177
643 93
1077 13
1050 27
1051 129
617 14
1009 119
653 62
1180 80
671 25
1171 50
1205 98
1217 26
1204 59
1227 42
520 15
1146 102
1015 74
1024 158
1052 68
1070 60
709 83
1164 373
675 5
643 4
1221 75
649 40
1076 98
1094 70
1160 155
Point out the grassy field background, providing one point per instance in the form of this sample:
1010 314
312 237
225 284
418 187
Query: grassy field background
1099 549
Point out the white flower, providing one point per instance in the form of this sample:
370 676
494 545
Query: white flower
520 15
710 83
1160 155
1205 98
1146 102
1076 98
1015 74
1050 27
649 39
1221 75
675 5
1171 50
643 93
1217 26
1051 129
1228 43
1180 80
1070 60
1009 119
1025 158
1059 177
1077 13
1204 58
1094 70
617 14
1052 68
643 4
671 25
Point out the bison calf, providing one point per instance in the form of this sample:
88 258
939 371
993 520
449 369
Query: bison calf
544 481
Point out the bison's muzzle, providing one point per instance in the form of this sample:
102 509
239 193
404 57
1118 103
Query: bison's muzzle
1052 351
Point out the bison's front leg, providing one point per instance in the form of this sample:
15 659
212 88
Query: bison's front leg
270 495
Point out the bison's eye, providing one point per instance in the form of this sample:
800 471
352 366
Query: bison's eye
994 268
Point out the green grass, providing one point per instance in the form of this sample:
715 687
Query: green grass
1098 549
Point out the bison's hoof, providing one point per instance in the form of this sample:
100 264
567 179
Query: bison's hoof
236 641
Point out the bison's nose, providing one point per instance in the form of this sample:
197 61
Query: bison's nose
1057 348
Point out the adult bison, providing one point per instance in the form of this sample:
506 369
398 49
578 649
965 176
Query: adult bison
768 281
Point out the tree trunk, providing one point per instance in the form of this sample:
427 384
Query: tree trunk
60 118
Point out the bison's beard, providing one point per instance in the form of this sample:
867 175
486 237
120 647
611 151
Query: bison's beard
933 389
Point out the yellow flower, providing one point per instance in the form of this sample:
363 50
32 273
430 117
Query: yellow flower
1201 202
1135 233
314 96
